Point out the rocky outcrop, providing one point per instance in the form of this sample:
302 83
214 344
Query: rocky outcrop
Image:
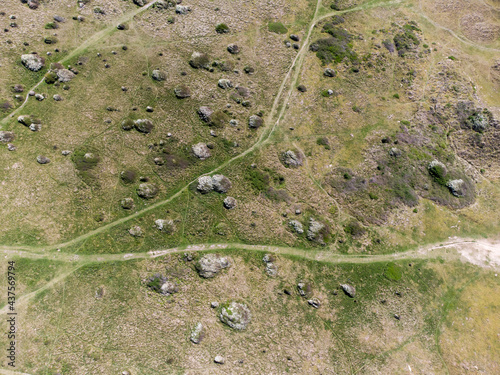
211 264
235 315
147 190
33 62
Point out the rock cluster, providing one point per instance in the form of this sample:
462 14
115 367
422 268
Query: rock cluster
164 225
211 264
271 268
219 183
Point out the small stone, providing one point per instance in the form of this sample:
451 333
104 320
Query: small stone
213 133
294 37
39 97
59 19
31 93
57 97
214 305
158 75
233 49
329 72
295 46
65 152
149 109
225 83
349 290
395 152
288 44
11 147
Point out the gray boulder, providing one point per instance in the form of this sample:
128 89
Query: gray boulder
314 302
65 75
166 226
329 72
235 315
197 333
6 136
271 268
143 125
127 203
230 203
255 122
296 226
205 113
42 159
314 228
221 183
211 264
292 159
141 3
33 62
205 184
219 360
233 49
135 231
182 9
456 187
201 151
225 83
158 75
168 288
147 190
349 290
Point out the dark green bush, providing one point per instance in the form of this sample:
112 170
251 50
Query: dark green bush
406 41
51 25
222 28
50 78
335 48
438 173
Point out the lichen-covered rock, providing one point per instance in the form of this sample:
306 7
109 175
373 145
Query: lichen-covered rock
395 152
225 83
236 315
292 159
158 75
143 125
456 187
140 3
57 97
233 49
304 289
199 60
230 203
205 113
127 203
255 122
42 159
314 302
211 264
33 62
205 184
329 72
221 183
182 9
182 92
164 225
6 136
219 359
271 268
168 288
349 290
201 151
296 226
135 231
147 190
65 75
314 229
197 333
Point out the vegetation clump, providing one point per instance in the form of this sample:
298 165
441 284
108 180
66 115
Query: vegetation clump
438 172
406 41
222 28
277 27
393 272
335 48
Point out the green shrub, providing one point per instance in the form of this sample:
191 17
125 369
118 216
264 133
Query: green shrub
453 58
51 25
50 78
406 41
438 173
259 180
372 196
222 28
396 96
335 48
355 229
277 27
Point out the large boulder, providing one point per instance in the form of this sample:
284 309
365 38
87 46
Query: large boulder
456 187
199 60
164 225
158 75
235 315
197 334
147 190
182 92
65 75
205 184
33 62
182 9
292 159
230 203
221 183
225 83
211 264
201 151
315 227
255 122
144 125
349 290
205 113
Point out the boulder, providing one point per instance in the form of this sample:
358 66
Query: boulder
456 187
296 226
349 290
182 9
11 147
140 3
57 97
201 151
205 113
182 92
143 125
292 159
197 333
329 72
230 203
205 184
221 183
233 49
33 62
164 225
305 290
314 228
271 268
219 360
168 288
236 315
6 136
395 152
314 302
199 60
65 75
127 203
211 264
243 91
294 37
255 122
42 159
147 190
135 231
225 83
158 75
